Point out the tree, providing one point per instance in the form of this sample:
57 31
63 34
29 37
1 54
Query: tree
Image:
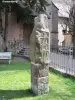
71 23
4 8
1 33
28 9
6 29
70 10
72 26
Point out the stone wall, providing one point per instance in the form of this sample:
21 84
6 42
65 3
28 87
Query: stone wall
17 29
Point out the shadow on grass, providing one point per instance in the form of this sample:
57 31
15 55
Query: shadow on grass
15 66
12 94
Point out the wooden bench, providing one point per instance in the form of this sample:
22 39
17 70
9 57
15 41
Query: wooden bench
5 57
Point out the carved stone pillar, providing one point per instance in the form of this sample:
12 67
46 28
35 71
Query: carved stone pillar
39 54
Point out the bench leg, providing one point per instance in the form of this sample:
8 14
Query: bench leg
9 61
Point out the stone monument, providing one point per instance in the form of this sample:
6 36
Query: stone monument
39 55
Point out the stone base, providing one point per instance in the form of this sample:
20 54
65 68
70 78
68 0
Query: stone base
39 79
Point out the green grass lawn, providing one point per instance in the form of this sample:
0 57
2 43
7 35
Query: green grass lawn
15 84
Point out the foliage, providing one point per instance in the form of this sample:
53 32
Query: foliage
72 25
3 6
15 84
30 9
0 4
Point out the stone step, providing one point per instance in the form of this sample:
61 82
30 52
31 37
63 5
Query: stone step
24 52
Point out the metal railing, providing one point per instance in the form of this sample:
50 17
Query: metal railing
61 58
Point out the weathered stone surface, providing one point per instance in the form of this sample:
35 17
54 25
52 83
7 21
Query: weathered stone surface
42 89
39 45
43 80
38 70
39 40
40 85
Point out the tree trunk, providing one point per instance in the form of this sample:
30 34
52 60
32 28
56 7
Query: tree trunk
1 33
74 39
74 46
6 30
0 22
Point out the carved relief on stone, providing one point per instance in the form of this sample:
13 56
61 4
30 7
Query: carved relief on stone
40 36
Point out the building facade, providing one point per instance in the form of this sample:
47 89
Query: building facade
52 12
19 31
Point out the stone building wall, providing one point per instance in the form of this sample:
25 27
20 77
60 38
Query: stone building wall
53 24
17 30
